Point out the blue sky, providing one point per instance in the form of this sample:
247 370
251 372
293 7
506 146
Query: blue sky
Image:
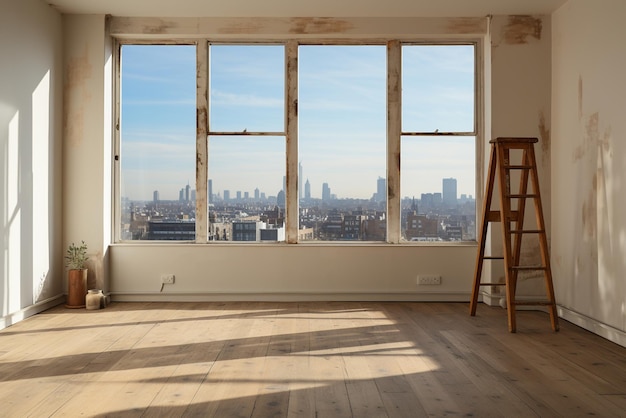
342 118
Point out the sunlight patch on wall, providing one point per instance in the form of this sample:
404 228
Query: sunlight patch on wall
13 221
41 184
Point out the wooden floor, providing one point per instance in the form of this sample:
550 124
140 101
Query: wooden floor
305 359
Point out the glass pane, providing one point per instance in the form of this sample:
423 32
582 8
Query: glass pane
158 142
438 188
247 88
342 142
247 188
438 88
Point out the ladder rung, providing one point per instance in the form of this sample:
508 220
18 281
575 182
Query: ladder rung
518 167
528 268
533 302
522 196
492 284
494 216
493 257
527 231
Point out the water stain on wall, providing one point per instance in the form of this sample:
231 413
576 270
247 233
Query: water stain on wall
160 27
544 132
580 98
75 94
520 28
592 154
318 25
247 27
466 25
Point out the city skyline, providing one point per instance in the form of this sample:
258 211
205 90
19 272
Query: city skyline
262 195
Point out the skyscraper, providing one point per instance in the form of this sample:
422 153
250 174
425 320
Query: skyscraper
307 190
210 191
155 196
449 192
381 189
187 190
325 192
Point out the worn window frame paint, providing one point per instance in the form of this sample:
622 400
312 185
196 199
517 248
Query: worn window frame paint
394 129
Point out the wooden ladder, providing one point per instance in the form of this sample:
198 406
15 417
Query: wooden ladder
513 225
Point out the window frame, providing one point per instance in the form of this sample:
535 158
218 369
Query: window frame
393 140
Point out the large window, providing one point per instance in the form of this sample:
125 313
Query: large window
438 143
326 122
342 142
246 160
157 142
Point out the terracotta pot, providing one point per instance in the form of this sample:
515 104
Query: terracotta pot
76 288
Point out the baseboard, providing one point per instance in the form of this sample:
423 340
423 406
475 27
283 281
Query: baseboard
15 317
290 297
606 331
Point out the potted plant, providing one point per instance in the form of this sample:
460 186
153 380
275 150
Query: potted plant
75 258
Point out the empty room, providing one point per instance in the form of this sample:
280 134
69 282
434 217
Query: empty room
334 208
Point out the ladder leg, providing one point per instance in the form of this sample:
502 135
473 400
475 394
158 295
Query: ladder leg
505 216
517 238
543 244
483 231
521 212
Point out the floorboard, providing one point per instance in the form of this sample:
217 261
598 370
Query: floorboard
305 359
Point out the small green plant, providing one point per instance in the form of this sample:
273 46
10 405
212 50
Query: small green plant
76 256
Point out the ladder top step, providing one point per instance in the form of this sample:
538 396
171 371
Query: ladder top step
513 140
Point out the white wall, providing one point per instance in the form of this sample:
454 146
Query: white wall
588 160
31 262
317 271
266 271
87 140
519 106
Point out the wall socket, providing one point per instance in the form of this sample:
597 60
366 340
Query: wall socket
428 279
167 278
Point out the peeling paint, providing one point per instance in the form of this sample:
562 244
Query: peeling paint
390 191
466 25
161 27
318 25
247 27
520 27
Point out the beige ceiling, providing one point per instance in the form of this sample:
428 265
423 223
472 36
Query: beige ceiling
307 8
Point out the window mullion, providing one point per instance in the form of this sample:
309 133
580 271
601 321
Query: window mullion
394 129
202 106
291 92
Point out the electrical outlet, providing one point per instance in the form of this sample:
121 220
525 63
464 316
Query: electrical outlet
428 279
167 278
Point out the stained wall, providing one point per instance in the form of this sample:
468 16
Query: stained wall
588 160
